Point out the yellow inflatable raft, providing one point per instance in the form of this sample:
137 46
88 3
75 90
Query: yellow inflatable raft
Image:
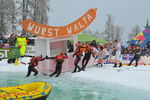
31 91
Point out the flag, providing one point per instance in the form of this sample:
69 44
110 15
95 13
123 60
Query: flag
140 36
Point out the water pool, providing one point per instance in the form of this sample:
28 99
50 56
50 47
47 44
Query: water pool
71 88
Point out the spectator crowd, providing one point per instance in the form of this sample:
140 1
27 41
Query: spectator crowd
130 46
11 40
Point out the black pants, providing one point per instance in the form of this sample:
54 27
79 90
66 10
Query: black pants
30 69
57 69
77 60
84 62
136 59
11 60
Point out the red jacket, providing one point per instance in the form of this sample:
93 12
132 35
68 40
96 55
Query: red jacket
60 58
89 49
78 52
34 61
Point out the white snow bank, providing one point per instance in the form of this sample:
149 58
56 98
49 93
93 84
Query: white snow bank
5 67
128 76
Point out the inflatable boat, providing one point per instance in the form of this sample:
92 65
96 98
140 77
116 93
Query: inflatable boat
31 91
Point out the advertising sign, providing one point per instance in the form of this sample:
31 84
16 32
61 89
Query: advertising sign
52 32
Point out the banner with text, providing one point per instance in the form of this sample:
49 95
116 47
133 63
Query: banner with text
53 32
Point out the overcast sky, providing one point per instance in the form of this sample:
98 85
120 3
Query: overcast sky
126 13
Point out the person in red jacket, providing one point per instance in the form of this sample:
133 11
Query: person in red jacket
78 54
87 56
59 61
32 64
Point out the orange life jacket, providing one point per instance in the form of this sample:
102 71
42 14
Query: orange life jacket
34 61
78 52
60 58
89 49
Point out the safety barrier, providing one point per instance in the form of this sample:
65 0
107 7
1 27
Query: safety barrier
144 60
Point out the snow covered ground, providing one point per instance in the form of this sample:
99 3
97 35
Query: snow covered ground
136 77
130 76
5 67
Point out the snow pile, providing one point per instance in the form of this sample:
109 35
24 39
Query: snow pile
127 76
5 67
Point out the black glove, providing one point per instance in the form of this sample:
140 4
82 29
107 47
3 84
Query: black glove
46 57
66 54
73 55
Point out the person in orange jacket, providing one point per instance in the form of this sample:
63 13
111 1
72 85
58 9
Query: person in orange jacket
87 56
78 54
32 64
59 61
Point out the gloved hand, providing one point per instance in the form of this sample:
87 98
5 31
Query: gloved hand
66 54
73 55
19 46
46 57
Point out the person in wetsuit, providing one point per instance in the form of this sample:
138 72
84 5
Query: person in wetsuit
137 54
87 56
94 44
70 46
32 64
78 54
59 61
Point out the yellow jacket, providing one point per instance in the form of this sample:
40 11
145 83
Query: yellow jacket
22 42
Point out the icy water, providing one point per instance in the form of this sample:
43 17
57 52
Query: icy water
70 88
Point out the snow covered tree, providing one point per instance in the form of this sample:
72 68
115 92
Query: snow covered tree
118 33
6 9
12 12
108 33
40 10
111 32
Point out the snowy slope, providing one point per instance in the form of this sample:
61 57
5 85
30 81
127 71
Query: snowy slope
127 75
